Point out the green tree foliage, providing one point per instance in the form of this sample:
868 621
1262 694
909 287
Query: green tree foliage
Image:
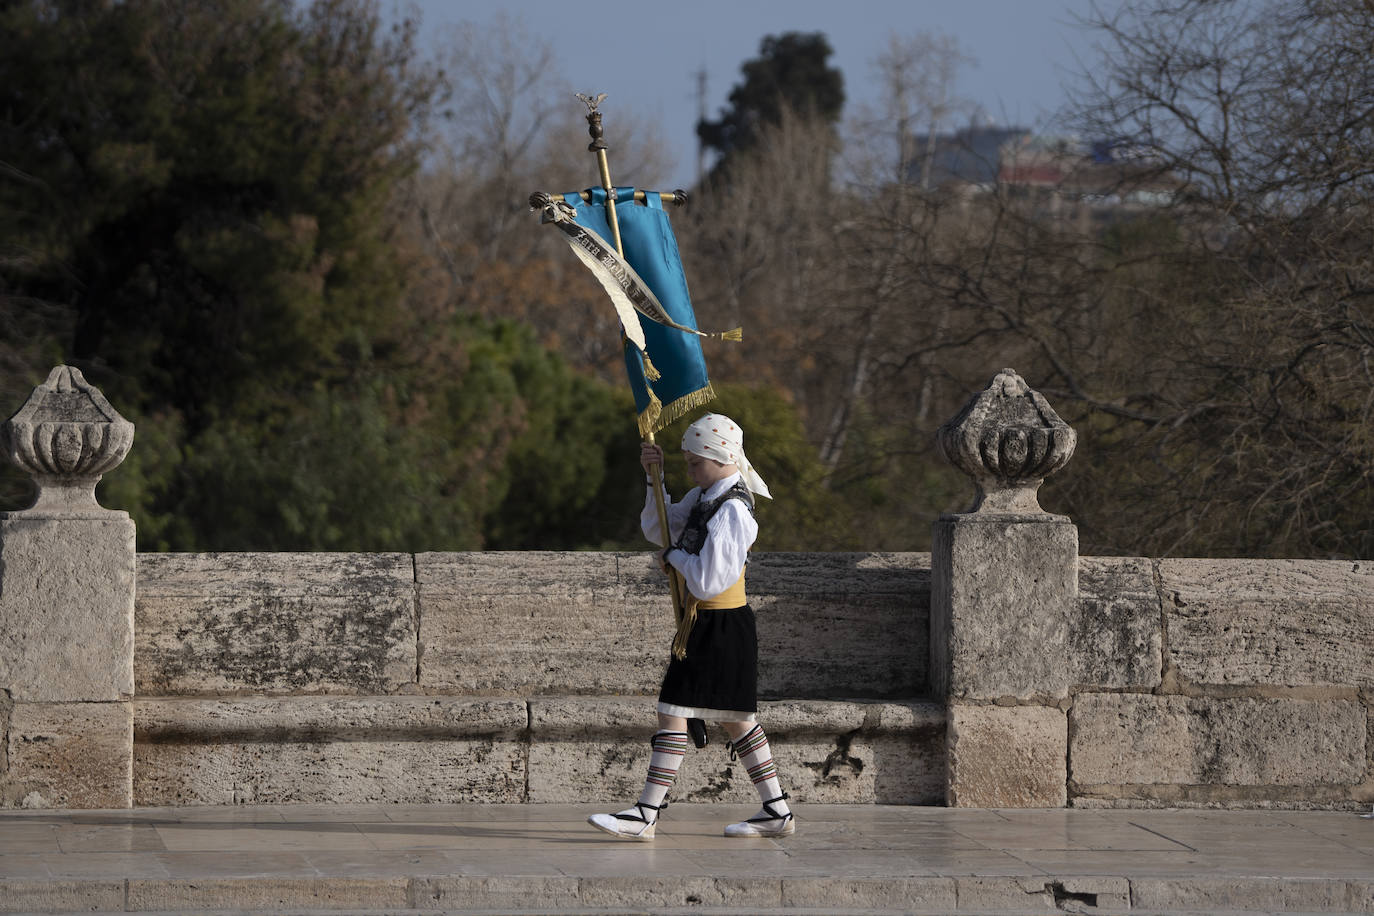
792 74
200 206
209 179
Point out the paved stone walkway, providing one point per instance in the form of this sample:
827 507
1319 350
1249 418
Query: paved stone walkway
545 858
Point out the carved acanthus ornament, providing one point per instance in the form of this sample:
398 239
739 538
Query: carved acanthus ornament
1008 439
66 436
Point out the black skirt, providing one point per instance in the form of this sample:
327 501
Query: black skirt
720 672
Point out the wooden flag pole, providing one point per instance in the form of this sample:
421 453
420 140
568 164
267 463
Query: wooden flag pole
598 145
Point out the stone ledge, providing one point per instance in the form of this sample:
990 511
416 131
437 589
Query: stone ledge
328 750
698 893
62 895
269 894
192 575
273 750
1306 895
268 720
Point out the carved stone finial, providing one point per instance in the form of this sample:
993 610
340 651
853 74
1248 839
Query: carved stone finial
1008 439
67 436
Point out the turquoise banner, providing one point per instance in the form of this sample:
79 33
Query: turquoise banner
669 377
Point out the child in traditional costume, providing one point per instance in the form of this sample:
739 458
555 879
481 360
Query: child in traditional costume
713 673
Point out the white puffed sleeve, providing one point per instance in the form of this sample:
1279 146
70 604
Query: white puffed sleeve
730 533
677 514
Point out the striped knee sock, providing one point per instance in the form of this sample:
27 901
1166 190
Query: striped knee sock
669 749
753 751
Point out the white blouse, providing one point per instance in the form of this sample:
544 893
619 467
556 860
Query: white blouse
729 534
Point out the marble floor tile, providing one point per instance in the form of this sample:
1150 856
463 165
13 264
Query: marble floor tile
105 865
137 837
28 837
531 842
202 837
468 836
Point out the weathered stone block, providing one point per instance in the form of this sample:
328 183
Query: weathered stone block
61 895
850 625
1043 894
68 755
275 623
853 625
902 894
1244 893
638 891
268 893
323 750
827 752
530 623
1115 633
1273 622
1125 739
1002 592
1007 757
67 608
497 892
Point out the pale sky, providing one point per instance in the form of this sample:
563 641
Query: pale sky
645 54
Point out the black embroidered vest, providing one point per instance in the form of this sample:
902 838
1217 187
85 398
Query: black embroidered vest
694 533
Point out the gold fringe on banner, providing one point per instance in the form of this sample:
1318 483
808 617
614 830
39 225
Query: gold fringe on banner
656 415
648 417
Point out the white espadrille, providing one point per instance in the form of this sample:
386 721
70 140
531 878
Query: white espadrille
766 823
630 824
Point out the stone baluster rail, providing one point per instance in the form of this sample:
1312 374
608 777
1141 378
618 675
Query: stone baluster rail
1002 669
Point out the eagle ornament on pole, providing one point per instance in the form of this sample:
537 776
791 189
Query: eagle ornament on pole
623 236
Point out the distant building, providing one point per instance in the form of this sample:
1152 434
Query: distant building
1061 176
970 156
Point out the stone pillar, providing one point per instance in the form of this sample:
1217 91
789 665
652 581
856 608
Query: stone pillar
1004 581
66 607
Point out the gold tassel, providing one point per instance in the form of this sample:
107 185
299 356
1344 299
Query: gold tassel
650 372
684 628
735 334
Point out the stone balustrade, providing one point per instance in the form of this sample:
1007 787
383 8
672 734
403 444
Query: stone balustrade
1002 669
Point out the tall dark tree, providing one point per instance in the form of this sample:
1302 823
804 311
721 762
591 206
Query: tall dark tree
202 206
203 185
791 74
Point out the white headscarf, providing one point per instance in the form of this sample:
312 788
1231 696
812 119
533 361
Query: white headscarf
719 438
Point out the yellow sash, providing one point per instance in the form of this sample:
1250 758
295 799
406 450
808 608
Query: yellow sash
732 597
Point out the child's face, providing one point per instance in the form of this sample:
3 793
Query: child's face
704 471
